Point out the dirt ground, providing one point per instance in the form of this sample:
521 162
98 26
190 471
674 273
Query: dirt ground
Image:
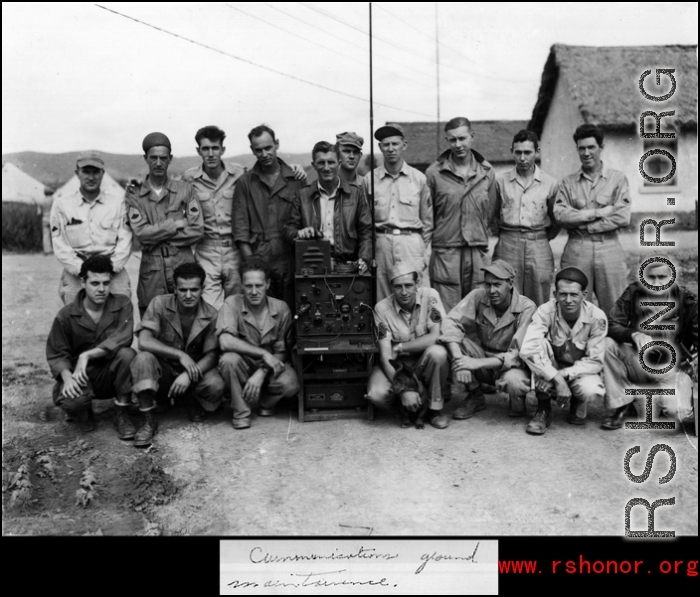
483 476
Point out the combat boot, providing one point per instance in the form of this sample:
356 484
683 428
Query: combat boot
125 428
573 418
470 407
542 418
144 436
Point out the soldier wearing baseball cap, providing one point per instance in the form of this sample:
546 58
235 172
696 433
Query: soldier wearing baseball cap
564 348
166 217
350 151
483 334
408 324
90 221
403 209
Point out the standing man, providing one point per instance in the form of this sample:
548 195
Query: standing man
564 348
179 353
627 337
262 205
592 204
214 182
462 184
88 349
350 147
409 326
524 212
253 330
483 334
165 216
90 222
334 209
403 210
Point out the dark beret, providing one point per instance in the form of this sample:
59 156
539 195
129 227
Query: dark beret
153 139
572 274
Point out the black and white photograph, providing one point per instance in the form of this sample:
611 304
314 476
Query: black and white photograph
347 269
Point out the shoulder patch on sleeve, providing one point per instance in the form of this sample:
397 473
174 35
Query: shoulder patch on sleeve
134 215
435 315
193 207
602 324
381 330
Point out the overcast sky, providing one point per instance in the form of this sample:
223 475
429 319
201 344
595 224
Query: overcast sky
76 76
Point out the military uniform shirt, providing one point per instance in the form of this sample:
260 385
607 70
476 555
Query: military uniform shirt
474 318
236 319
580 350
403 201
520 208
162 318
398 325
152 218
579 193
215 197
82 228
74 331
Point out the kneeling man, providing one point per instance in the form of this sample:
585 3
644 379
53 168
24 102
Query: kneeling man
633 309
180 352
483 334
253 329
88 349
409 326
564 348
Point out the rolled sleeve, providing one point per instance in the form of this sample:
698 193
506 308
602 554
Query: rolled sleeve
462 316
123 334
227 320
592 363
150 320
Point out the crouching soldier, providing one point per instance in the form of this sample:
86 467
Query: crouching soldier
253 329
564 348
179 352
483 334
409 326
88 348
637 306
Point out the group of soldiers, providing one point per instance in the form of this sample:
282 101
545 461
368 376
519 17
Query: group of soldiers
216 284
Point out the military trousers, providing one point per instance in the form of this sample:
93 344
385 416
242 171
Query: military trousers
236 369
456 271
394 248
531 257
151 373
624 371
432 368
221 261
107 378
602 258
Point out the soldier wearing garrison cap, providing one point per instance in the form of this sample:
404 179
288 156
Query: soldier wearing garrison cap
350 151
483 334
165 216
409 326
564 348
90 221
403 210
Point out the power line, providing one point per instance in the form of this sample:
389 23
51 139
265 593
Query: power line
267 68
394 73
462 56
397 46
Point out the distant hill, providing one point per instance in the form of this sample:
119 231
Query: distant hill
55 169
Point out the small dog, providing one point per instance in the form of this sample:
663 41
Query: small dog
407 382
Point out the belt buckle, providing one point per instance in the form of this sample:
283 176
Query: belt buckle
597 238
531 235
396 231
164 251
